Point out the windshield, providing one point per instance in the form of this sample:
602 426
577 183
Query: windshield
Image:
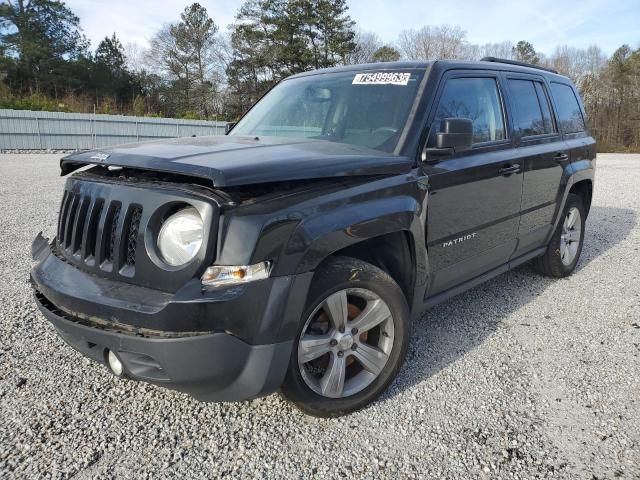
368 109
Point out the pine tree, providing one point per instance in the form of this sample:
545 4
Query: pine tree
524 52
386 54
110 53
195 36
187 55
41 36
335 30
273 39
110 78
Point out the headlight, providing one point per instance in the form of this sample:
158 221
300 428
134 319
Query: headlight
180 237
218 275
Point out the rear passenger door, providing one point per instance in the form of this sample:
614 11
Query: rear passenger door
543 154
474 196
571 122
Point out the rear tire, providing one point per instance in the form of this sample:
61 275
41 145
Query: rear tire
352 340
563 251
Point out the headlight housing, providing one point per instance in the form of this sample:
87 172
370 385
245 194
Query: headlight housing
180 237
222 275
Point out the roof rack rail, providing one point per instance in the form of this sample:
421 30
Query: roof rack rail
514 62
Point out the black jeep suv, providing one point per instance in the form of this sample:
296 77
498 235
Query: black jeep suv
293 252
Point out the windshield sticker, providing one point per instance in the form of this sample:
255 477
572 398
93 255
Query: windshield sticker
381 78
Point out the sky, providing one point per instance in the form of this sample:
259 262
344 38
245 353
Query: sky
544 23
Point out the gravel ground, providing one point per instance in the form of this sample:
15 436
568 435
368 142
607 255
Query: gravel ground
522 377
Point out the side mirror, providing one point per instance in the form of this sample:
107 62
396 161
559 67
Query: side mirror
453 135
228 127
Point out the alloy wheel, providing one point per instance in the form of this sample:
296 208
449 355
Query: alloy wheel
570 237
345 343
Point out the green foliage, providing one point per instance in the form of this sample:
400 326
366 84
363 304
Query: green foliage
108 75
4 91
272 39
40 37
386 54
110 54
35 102
194 73
333 28
139 106
45 55
524 52
187 53
190 115
106 107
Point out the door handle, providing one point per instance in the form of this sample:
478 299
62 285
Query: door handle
561 157
510 170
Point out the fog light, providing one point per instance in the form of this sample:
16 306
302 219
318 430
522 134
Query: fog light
114 363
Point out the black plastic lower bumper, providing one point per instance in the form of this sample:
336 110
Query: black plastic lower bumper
262 312
210 367
225 345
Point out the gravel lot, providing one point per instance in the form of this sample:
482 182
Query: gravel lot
522 377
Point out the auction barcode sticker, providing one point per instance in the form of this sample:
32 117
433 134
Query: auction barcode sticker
381 78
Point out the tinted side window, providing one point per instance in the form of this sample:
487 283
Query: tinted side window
478 100
549 126
529 118
569 114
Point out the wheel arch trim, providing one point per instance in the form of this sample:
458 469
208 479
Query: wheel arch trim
322 235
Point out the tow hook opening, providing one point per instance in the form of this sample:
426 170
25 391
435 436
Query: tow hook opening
114 363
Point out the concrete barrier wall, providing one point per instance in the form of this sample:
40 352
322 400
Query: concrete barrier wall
29 130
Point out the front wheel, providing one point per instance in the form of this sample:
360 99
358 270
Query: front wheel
352 341
565 246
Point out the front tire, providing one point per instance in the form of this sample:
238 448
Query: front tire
563 251
352 340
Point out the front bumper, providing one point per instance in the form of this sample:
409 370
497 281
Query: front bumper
225 345
211 367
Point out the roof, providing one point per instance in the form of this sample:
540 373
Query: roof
367 66
446 64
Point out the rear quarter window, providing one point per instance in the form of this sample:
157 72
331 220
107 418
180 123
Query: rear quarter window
532 115
570 117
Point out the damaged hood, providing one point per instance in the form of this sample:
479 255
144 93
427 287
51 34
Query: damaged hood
233 160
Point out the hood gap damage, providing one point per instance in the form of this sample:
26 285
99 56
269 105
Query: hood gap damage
231 162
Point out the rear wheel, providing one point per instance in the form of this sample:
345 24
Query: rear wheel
565 246
352 341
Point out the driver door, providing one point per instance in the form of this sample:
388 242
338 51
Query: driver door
474 196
